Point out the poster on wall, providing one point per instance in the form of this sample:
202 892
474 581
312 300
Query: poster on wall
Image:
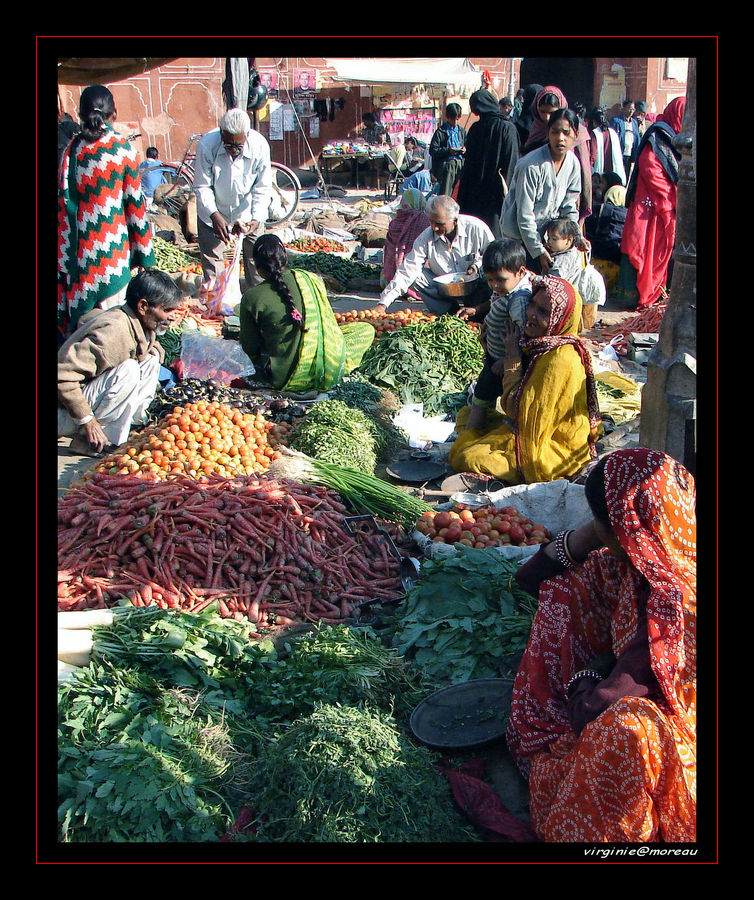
276 122
269 78
314 127
304 83
289 118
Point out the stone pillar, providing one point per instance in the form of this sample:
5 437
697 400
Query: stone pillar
668 408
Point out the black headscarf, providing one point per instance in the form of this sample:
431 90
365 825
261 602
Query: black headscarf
491 147
523 122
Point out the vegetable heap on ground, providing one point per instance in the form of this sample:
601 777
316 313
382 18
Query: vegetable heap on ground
384 322
337 433
315 245
427 362
342 270
487 526
178 729
200 438
273 551
467 617
170 258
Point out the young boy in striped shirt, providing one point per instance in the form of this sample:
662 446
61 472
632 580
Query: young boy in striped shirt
504 264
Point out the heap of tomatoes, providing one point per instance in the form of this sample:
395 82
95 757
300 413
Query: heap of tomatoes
198 439
486 526
384 322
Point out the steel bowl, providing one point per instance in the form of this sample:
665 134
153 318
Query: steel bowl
455 286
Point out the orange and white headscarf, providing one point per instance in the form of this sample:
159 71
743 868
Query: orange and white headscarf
651 500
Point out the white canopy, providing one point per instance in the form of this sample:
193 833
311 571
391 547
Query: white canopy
427 70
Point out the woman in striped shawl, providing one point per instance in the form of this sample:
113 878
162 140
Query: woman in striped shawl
103 230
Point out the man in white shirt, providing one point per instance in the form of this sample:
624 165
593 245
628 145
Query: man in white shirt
453 243
233 185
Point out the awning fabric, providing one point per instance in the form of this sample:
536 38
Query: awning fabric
103 70
430 70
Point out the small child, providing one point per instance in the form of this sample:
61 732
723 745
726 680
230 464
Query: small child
504 264
570 253
567 247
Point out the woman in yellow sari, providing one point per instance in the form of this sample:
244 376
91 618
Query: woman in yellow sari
289 330
550 417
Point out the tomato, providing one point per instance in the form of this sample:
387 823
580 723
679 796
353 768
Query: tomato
442 520
467 515
516 534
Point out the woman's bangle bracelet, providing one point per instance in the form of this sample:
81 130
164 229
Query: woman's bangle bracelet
561 550
582 673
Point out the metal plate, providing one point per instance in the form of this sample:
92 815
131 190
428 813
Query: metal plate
415 470
474 500
464 715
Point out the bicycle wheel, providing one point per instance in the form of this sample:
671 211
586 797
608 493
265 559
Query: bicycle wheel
286 190
180 180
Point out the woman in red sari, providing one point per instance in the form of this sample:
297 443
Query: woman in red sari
649 232
603 716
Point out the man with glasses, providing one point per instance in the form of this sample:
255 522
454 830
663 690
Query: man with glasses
233 185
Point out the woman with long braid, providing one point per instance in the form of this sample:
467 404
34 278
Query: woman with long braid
288 328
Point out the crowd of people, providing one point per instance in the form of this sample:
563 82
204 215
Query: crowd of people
602 722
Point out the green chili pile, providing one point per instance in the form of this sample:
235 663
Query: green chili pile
426 362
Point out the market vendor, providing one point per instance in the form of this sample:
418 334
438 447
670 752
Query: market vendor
453 244
288 328
233 186
108 369
603 721
550 418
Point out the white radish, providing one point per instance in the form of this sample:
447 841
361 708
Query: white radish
85 618
74 646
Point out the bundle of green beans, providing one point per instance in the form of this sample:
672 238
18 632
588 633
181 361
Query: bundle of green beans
333 432
168 257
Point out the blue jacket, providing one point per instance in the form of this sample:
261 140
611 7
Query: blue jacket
618 123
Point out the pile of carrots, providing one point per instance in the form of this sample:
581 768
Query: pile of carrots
384 322
648 321
198 439
191 309
315 245
272 551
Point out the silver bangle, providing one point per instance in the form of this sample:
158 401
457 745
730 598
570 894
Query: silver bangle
561 550
582 673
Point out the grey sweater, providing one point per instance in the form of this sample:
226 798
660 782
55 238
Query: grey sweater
537 194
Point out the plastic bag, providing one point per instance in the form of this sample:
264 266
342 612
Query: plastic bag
207 357
223 293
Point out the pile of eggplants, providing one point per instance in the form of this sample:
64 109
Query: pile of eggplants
190 390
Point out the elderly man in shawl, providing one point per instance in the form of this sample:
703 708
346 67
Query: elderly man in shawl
492 152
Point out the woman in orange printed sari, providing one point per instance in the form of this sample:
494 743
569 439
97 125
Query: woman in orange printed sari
603 717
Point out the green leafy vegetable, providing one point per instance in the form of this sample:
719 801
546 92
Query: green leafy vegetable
350 774
466 617
426 362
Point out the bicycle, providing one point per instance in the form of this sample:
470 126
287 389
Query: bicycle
285 184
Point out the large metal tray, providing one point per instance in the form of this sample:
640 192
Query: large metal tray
463 715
